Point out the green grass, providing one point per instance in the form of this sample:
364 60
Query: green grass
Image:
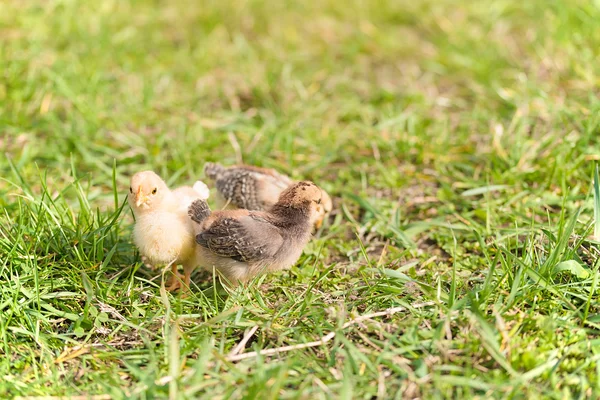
457 137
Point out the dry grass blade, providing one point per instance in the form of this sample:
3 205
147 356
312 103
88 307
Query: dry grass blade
326 338
240 346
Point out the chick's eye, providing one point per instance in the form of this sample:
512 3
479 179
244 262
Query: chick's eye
154 191
130 189
319 201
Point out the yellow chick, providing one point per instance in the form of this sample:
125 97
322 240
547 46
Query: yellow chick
240 244
163 232
254 188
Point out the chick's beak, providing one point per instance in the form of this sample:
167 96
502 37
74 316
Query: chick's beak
140 198
321 216
319 223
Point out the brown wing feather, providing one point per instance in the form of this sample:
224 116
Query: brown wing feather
247 239
238 187
250 189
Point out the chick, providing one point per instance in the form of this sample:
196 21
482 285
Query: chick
163 231
254 188
241 244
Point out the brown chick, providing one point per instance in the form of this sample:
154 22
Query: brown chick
254 188
163 231
240 244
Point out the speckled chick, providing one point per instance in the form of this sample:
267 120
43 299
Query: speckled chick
254 188
241 244
163 231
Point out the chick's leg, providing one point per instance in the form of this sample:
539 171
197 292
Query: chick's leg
187 274
174 281
183 281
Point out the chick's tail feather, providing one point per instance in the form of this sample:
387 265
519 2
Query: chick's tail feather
199 211
213 170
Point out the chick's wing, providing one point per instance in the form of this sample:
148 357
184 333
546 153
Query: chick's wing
246 239
252 188
239 187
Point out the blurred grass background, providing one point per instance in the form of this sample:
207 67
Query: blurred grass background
457 137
